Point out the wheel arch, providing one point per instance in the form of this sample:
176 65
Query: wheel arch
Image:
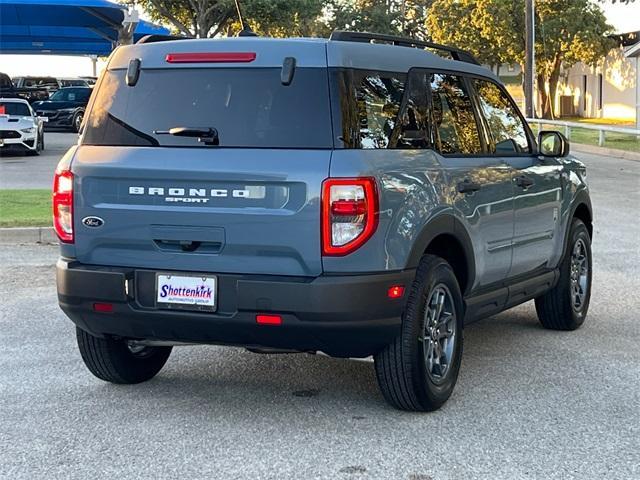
446 237
581 209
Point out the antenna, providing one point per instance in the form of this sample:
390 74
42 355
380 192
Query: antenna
246 29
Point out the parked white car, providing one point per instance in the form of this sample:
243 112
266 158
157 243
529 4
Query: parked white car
20 127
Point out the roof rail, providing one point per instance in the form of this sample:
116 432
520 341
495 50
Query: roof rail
365 37
160 38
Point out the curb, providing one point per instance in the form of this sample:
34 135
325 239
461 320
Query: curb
44 235
610 152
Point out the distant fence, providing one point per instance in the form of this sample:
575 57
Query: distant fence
601 129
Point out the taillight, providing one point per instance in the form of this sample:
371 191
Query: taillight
349 214
63 205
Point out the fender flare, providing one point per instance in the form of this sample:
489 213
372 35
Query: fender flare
445 224
581 198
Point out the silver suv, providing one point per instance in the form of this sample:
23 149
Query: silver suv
361 195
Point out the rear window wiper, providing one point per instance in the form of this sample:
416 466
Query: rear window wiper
207 135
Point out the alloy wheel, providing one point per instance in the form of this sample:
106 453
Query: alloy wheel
439 333
579 275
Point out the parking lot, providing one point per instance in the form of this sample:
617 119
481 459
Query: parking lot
26 171
529 403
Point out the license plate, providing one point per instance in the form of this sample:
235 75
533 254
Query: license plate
186 292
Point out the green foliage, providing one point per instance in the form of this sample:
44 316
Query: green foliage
567 32
209 18
391 17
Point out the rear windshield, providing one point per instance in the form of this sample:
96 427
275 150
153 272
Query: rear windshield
249 107
14 108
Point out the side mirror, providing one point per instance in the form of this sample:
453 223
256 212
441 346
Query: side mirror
552 144
44 119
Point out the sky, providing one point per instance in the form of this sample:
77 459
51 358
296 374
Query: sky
624 18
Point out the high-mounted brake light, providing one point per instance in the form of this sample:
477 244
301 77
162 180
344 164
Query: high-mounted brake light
211 57
63 205
349 214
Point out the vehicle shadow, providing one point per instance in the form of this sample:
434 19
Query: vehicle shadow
237 381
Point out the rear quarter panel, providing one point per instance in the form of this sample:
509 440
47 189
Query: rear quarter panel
412 192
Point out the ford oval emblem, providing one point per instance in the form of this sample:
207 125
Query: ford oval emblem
92 222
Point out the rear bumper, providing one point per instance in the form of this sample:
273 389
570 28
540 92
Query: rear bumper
343 316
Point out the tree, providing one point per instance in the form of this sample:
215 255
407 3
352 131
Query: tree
471 25
567 32
392 17
378 16
210 18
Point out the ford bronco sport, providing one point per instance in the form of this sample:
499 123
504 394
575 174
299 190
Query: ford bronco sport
361 195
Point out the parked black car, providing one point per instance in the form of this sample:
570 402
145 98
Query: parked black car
65 108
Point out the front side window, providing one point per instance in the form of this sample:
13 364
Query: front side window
453 117
506 128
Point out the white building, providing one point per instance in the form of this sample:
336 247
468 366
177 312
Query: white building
607 90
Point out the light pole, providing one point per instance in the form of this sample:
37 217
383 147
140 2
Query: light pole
529 58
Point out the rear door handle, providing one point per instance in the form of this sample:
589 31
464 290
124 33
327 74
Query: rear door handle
524 182
468 186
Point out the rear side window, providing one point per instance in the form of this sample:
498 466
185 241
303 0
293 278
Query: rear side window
366 106
378 96
249 107
413 124
506 128
454 121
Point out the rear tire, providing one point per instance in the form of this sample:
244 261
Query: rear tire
116 361
419 369
565 306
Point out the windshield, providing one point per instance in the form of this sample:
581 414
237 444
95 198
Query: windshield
249 107
39 82
73 83
71 95
14 108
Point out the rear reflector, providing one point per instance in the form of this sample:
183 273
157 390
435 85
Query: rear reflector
103 307
211 57
396 291
269 319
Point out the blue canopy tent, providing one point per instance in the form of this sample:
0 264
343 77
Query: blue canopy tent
67 27
65 40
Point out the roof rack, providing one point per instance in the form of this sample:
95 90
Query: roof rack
365 37
161 38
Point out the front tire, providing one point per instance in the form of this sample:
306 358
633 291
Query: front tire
565 306
119 361
77 121
419 369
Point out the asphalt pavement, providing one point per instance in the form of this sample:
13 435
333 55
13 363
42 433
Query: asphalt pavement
529 404
28 171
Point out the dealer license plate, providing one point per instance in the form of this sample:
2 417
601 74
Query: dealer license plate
186 292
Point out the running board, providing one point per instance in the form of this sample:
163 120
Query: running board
507 296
